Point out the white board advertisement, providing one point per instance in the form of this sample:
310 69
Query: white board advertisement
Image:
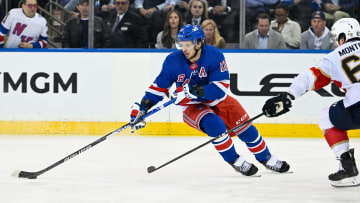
101 86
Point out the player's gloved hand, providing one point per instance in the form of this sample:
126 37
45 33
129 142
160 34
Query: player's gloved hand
278 105
183 95
137 111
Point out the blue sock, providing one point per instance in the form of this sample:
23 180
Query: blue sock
212 125
255 143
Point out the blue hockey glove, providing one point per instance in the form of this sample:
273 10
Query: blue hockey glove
278 105
137 111
183 95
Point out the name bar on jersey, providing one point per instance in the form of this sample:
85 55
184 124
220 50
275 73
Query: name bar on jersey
349 49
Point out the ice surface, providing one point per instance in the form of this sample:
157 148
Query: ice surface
115 171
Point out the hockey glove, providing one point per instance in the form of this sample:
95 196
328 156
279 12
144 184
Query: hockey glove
137 111
183 95
278 105
197 90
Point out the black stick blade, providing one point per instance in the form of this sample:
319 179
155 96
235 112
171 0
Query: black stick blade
24 174
151 169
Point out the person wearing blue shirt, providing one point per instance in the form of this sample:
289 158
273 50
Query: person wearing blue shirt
201 76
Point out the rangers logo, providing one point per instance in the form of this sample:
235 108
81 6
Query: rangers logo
193 66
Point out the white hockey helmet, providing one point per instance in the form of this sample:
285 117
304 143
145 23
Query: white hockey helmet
349 26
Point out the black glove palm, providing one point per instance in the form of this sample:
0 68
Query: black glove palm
278 105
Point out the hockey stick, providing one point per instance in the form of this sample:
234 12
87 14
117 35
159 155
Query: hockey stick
151 169
34 175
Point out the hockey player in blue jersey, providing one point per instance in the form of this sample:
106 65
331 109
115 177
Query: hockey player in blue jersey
202 80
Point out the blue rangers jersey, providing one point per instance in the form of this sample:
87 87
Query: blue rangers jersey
210 71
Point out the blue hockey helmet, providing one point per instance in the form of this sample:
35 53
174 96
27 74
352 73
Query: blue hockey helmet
190 33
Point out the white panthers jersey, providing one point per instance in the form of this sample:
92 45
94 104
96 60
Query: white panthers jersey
23 29
341 66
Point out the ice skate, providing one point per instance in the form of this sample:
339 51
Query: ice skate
347 175
276 165
244 167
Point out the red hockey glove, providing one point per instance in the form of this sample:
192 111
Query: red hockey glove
137 111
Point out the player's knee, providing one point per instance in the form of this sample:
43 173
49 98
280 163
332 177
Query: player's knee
324 119
212 125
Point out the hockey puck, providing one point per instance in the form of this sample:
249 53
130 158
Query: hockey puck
151 169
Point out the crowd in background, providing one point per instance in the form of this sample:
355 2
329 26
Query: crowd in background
270 24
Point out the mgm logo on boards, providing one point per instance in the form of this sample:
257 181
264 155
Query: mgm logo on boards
40 82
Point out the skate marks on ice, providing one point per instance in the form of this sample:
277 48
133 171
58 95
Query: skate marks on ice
116 171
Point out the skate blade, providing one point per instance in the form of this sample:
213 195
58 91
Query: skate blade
255 175
276 172
287 172
347 182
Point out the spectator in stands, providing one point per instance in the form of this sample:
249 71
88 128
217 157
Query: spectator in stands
318 36
219 7
153 13
336 9
198 12
25 27
167 37
72 4
183 7
125 28
212 35
221 12
77 29
290 30
99 7
106 6
302 10
254 8
263 37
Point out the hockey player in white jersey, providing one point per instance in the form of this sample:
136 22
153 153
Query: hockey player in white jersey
342 66
26 28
